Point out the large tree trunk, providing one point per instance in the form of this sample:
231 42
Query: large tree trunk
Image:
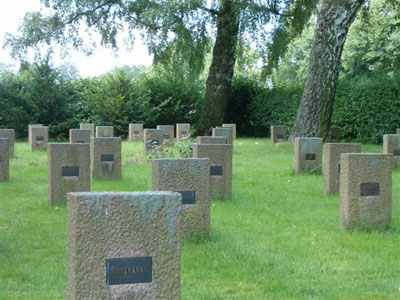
316 105
219 81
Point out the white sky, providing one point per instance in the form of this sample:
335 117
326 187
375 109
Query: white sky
102 61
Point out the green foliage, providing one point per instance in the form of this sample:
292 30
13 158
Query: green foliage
184 148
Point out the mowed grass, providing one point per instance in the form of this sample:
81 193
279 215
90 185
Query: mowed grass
278 237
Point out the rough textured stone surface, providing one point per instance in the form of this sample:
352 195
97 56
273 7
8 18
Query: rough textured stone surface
10 135
391 145
187 175
233 126
106 157
226 132
211 140
103 226
38 137
307 155
153 140
81 136
220 156
358 208
88 126
332 153
135 132
4 159
68 170
169 133
278 134
334 135
104 131
182 131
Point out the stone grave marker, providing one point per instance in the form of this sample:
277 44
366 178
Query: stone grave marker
391 145
153 140
308 155
135 132
233 126
398 131
123 245
10 135
88 126
104 131
169 133
4 159
278 134
80 136
211 140
182 131
225 132
191 178
38 137
332 153
106 157
68 170
220 156
365 190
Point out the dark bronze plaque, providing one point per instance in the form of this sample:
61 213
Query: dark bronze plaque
40 138
279 136
188 197
184 132
370 189
396 152
216 170
70 171
310 156
167 136
81 142
338 167
129 270
107 157
136 133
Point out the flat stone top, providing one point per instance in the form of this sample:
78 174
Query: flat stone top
368 154
105 138
40 127
350 144
392 135
35 125
7 130
309 138
80 130
153 130
126 195
183 124
67 145
105 126
278 126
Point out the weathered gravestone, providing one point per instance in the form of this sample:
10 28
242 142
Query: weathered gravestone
332 153
169 133
153 139
68 170
80 136
391 145
106 157
211 140
10 135
225 132
4 159
220 167
38 137
278 134
233 126
191 178
307 155
104 131
334 135
182 131
123 245
398 131
365 190
88 126
135 132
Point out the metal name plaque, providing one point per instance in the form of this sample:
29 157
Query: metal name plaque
310 156
81 142
370 189
70 171
279 136
167 136
154 143
338 167
129 270
216 170
188 197
183 132
136 133
107 157
396 152
40 138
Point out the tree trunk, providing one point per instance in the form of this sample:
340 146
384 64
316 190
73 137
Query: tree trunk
219 81
315 110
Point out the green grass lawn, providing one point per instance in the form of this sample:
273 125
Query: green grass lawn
278 237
